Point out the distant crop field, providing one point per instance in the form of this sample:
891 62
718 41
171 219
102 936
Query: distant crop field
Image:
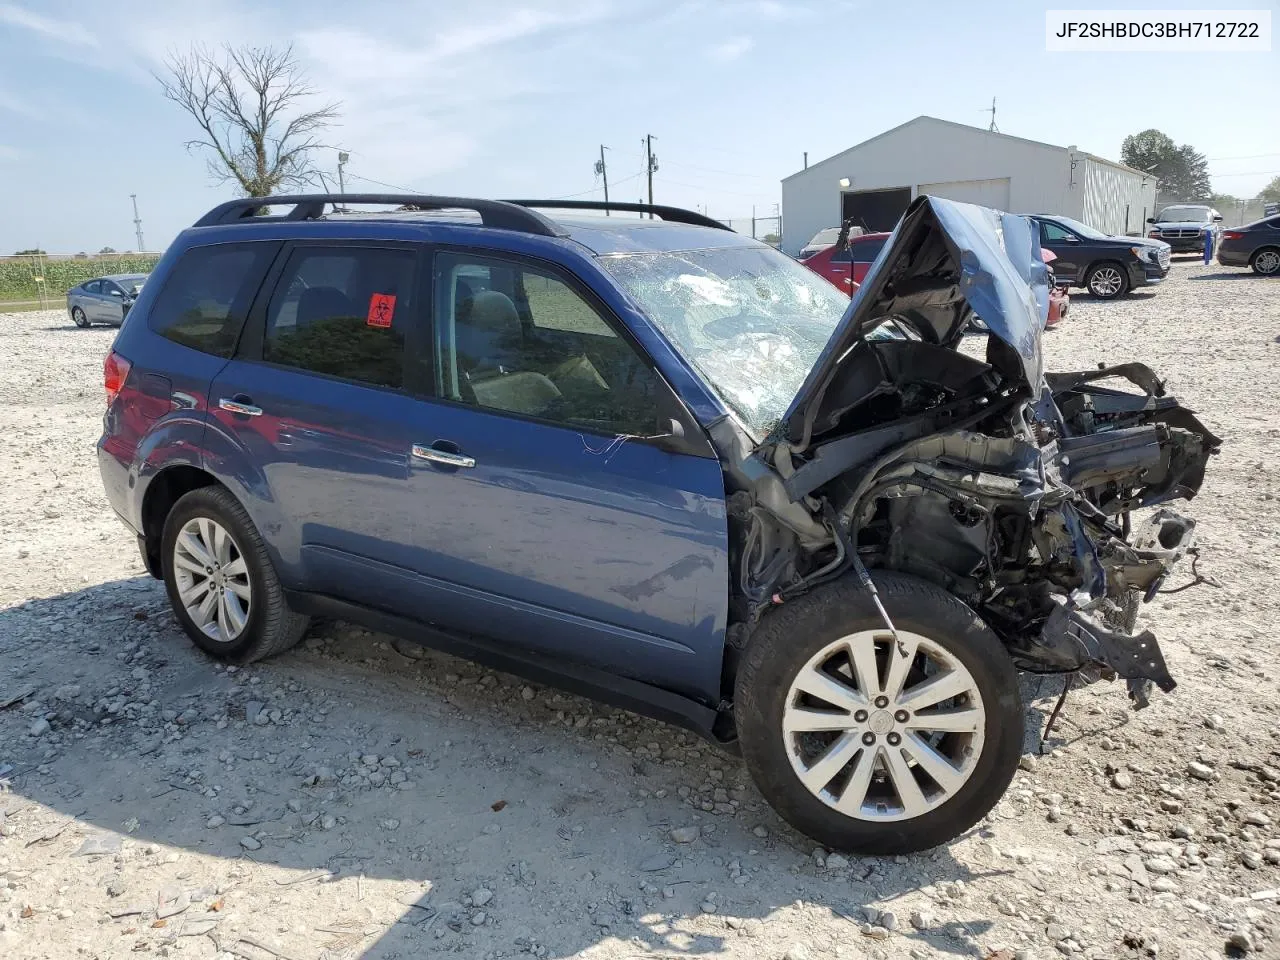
19 275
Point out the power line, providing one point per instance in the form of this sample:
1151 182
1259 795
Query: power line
1252 173
727 173
356 176
1252 156
695 186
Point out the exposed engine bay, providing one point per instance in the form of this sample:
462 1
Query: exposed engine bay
1015 490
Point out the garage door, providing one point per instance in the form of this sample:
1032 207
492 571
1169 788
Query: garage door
985 193
875 210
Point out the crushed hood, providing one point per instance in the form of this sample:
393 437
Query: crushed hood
944 260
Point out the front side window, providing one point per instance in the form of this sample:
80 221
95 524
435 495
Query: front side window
343 313
517 339
1052 233
205 299
867 251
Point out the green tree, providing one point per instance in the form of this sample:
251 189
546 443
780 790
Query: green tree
249 104
1271 191
1183 171
33 252
106 250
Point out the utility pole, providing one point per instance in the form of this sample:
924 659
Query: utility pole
343 157
137 222
652 165
603 173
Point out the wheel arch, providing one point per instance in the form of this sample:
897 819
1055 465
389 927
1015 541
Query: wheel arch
165 489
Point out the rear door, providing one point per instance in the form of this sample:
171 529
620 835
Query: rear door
312 412
558 510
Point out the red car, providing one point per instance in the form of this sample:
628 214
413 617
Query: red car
846 264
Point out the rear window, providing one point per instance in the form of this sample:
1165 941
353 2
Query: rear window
205 298
343 313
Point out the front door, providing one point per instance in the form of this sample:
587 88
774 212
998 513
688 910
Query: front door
565 516
1066 246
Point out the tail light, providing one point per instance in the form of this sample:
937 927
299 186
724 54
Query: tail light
115 370
1154 233
1232 235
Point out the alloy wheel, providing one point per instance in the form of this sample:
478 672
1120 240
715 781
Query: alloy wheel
883 730
212 579
78 318
1105 282
1267 262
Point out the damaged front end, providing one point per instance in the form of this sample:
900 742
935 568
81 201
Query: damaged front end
1013 489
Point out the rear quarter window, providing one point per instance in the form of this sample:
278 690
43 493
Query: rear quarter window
206 297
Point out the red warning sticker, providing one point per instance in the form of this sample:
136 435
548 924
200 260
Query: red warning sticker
381 308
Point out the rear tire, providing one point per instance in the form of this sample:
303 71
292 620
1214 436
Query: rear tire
79 319
876 781
1266 262
234 609
1107 280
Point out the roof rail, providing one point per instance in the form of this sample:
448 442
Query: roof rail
673 214
498 214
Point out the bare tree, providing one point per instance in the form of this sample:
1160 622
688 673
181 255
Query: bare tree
250 104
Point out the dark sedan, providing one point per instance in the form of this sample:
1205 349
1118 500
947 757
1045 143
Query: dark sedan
1106 266
104 300
1255 245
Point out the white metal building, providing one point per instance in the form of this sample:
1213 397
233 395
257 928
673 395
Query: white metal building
875 180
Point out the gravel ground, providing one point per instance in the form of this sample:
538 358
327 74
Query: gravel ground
350 800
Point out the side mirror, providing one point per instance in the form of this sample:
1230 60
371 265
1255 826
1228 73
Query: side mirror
1070 239
1218 218
117 293
677 428
1151 219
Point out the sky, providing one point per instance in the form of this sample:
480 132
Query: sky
501 98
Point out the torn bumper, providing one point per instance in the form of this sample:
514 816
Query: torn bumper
1080 638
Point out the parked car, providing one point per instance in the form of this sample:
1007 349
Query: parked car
1183 226
826 238
1108 267
660 463
846 262
1255 245
104 299
1270 209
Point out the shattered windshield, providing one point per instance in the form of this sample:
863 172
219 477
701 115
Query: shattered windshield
750 319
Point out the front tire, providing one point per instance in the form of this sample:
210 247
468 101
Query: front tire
220 580
867 751
1266 262
1107 281
79 319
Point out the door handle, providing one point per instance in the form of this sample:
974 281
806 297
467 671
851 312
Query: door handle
443 457
240 407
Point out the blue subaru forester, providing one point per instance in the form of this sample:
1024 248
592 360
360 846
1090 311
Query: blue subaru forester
662 464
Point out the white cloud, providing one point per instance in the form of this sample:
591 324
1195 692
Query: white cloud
731 49
67 32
